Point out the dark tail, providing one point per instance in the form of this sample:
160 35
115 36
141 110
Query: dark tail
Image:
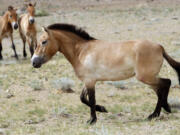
173 63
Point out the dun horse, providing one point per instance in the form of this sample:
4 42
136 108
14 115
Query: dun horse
8 22
95 60
27 29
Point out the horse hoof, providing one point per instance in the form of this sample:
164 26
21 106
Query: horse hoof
167 108
153 115
92 121
25 55
16 56
101 109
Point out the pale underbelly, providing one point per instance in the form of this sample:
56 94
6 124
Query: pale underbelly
110 75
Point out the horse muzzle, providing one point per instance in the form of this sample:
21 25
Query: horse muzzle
31 20
37 61
15 25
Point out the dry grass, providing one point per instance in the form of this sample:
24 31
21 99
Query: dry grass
36 107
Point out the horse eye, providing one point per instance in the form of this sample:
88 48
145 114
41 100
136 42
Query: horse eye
10 16
44 42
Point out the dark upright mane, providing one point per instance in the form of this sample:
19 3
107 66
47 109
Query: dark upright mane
71 28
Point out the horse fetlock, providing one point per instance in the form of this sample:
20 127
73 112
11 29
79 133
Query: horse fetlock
166 107
24 54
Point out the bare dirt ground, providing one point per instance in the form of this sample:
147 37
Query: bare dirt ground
30 103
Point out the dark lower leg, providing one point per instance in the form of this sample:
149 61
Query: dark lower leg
92 103
84 100
24 49
14 49
31 48
162 93
1 51
165 104
157 110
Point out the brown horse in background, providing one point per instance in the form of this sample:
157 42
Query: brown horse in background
27 29
95 60
8 22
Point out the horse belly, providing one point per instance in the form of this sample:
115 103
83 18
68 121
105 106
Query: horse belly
110 72
113 74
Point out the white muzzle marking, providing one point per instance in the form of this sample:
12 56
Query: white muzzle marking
33 57
31 18
13 23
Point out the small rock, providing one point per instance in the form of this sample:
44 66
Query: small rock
63 84
120 114
65 115
174 18
33 121
118 84
9 95
154 19
2 132
69 90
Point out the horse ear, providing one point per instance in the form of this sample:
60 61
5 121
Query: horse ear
45 29
34 4
10 8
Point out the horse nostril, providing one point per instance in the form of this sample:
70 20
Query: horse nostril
32 21
15 26
34 64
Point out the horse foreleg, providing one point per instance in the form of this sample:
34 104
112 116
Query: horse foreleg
24 45
1 57
14 48
84 100
92 103
31 47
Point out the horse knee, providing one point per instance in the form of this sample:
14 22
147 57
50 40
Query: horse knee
83 96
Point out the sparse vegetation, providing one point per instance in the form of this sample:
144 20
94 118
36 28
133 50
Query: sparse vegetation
42 12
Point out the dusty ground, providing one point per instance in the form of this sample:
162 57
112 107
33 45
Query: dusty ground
26 110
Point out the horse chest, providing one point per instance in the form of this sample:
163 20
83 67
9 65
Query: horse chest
5 32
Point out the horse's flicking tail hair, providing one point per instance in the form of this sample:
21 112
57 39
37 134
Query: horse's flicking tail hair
173 63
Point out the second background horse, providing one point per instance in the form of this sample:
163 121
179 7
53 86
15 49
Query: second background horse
27 29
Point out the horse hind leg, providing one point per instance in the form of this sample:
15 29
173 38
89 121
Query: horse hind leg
161 87
1 57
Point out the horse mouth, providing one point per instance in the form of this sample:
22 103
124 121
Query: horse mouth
36 65
37 62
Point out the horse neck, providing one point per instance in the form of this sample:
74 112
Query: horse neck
69 45
5 18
